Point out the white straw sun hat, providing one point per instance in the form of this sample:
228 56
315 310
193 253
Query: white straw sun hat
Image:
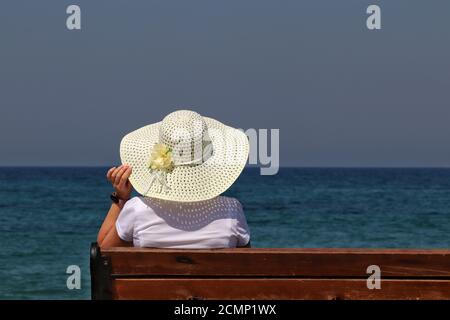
185 157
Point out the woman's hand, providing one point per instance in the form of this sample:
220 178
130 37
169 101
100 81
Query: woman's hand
119 180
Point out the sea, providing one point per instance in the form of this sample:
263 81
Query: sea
49 217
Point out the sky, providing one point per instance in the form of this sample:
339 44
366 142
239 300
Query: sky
340 94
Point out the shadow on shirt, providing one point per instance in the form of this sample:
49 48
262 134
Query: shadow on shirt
191 216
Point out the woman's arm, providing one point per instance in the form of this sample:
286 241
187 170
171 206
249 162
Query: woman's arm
112 239
109 223
107 236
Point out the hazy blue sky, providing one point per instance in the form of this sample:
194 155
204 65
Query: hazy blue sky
341 95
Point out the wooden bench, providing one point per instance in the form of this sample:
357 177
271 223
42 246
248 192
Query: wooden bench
139 273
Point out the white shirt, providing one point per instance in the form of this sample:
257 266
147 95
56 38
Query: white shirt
216 223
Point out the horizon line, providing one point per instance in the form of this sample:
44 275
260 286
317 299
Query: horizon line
246 167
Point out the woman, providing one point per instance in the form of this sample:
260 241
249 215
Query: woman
180 166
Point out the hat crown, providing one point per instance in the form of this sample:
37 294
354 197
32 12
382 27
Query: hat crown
185 132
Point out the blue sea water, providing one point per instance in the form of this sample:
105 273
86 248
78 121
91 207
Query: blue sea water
49 217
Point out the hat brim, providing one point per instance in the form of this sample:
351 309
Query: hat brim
187 183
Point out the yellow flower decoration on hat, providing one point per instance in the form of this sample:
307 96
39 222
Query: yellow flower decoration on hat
161 158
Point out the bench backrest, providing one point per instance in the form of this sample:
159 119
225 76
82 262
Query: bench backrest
249 273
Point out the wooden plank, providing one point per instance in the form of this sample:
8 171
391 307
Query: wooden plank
281 250
278 289
279 262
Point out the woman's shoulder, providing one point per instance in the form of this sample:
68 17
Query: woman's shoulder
136 204
134 201
230 202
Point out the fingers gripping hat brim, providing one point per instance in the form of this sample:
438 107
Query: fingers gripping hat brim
187 182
